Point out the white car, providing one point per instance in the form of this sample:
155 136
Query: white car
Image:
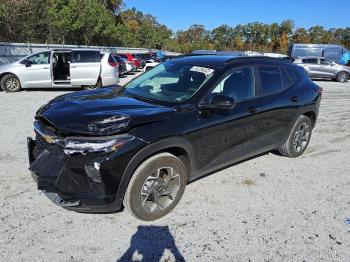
85 68
149 64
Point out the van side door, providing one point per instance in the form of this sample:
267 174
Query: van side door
36 71
85 67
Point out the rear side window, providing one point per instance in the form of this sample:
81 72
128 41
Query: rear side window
287 82
293 74
310 61
86 56
239 85
271 79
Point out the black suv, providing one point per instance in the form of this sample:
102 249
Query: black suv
138 146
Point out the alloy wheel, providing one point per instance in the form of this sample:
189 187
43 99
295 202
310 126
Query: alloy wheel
301 137
160 189
12 84
343 77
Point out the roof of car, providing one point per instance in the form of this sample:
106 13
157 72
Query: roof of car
220 61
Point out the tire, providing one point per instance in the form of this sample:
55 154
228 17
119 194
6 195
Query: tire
296 144
342 77
10 83
95 86
160 174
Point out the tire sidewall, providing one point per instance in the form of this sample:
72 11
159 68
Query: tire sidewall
338 77
133 199
301 119
3 83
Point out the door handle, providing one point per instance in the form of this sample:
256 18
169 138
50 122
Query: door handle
254 109
72 66
295 98
46 67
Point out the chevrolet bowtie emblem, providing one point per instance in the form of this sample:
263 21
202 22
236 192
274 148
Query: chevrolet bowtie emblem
48 139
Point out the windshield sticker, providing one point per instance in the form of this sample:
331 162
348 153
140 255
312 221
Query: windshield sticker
204 70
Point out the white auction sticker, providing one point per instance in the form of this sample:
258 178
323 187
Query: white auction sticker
204 70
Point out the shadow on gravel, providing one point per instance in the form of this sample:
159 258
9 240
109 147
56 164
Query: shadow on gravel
149 244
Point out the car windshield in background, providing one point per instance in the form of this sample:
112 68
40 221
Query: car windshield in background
169 82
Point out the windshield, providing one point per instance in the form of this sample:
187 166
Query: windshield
169 82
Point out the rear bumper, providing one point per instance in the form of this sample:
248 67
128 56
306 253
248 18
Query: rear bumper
72 182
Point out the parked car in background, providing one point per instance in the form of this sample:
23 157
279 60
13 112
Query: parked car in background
330 52
149 64
131 58
121 64
319 67
85 68
130 66
138 146
147 56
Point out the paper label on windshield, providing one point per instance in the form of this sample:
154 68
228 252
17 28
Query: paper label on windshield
204 70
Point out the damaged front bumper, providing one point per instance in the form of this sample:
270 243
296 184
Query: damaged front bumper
80 182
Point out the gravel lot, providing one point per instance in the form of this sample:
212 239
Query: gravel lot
270 208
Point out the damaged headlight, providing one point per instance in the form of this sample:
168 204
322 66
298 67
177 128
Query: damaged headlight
85 145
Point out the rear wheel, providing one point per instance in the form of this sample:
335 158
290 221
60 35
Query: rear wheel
298 139
10 83
156 187
343 77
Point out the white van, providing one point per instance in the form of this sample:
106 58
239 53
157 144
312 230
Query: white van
85 68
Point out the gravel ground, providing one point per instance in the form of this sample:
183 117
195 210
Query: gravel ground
270 208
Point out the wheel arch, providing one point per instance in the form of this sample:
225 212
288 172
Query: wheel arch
177 146
10 73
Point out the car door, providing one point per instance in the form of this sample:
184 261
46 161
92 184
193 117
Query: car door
36 71
278 104
224 135
327 68
85 67
311 66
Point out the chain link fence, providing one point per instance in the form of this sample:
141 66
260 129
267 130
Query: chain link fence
11 52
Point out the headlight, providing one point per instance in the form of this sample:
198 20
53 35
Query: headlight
85 145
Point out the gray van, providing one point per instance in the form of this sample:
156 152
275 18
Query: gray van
330 52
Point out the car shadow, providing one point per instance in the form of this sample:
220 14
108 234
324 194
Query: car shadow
149 244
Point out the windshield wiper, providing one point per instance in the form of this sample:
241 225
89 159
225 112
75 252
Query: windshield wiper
141 98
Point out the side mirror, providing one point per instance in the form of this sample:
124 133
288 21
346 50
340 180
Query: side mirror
333 64
28 63
219 102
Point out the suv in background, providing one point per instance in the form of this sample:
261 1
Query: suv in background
139 145
66 68
319 67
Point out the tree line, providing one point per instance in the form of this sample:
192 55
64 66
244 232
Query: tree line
105 22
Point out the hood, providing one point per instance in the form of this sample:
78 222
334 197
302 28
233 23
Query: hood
99 112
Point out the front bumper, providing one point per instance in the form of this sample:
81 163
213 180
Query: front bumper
83 183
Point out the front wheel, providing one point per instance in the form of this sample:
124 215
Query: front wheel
10 83
298 139
343 77
156 187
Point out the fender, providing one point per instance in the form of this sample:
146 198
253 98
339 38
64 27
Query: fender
149 150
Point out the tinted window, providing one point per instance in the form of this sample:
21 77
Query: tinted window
86 56
310 61
38 59
293 74
118 59
238 85
271 79
325 62
287 82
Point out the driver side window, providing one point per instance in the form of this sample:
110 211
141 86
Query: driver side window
38 59
239 85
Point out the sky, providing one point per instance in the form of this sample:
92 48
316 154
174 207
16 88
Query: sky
180 14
